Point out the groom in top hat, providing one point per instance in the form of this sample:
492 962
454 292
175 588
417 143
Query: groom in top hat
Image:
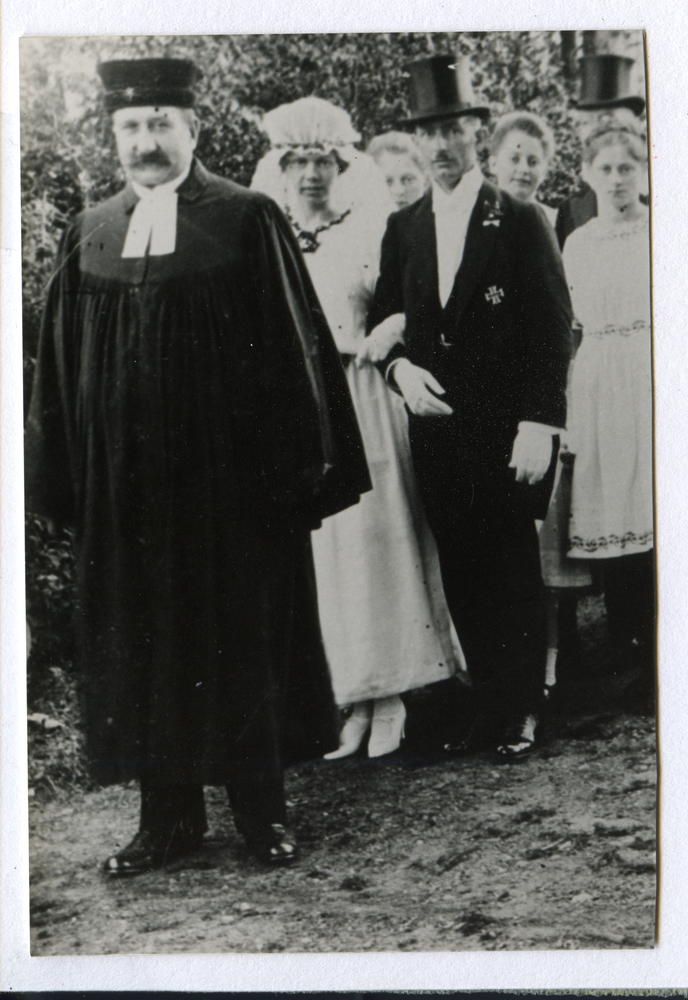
190 419
479 278
605 95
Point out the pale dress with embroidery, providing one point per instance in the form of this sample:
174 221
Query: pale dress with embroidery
610 413
383 613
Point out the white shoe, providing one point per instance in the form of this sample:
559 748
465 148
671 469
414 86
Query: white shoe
389 716
355 728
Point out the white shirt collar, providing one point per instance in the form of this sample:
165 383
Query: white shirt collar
452 217
463 195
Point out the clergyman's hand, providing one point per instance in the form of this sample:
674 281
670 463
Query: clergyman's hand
420 390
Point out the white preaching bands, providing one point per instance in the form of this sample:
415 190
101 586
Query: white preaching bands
153 224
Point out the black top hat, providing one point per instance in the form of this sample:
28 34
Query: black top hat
441 88
606 83
135 83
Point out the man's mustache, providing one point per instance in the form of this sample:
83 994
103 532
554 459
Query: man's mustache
156 158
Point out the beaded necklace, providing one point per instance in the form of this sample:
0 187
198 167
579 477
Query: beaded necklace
308 241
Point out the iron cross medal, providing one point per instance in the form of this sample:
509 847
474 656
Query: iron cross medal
494 295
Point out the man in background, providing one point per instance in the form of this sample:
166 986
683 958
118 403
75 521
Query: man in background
605 95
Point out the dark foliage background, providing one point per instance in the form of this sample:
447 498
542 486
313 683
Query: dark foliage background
68 156
69 161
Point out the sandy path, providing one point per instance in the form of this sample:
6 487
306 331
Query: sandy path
555 852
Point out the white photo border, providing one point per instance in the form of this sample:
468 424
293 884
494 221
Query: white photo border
666 24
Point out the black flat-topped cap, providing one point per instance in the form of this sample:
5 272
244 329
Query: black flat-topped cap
133 83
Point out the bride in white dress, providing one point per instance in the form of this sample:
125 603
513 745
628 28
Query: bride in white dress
384 618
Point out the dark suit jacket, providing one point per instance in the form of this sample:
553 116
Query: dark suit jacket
575 211
501 346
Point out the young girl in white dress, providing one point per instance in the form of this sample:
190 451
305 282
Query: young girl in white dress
384 618
607 264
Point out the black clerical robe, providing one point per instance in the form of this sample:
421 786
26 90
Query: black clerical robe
190 418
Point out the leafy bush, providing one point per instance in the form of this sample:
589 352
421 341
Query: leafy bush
55 751
68 155
49 599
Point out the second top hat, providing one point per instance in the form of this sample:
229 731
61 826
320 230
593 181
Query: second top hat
606 83
441 88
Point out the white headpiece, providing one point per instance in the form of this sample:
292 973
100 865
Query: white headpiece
309 122
314 124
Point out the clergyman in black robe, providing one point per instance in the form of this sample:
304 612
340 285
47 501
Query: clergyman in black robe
191 420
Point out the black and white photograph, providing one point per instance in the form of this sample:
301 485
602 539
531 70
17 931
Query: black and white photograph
341 595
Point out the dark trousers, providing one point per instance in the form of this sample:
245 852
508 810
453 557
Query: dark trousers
490 561
256 801
304 721
629 596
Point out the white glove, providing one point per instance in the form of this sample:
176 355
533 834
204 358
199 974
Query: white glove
381 340
420 390
532 451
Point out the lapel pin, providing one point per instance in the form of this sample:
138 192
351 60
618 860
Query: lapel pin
493 214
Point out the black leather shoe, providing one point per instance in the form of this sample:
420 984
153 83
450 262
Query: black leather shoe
147 852
475 738
461 747
521 747
519 741
274 845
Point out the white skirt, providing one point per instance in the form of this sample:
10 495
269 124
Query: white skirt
384 617
610 432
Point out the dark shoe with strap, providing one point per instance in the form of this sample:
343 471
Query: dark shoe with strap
147 852
519 741
274 844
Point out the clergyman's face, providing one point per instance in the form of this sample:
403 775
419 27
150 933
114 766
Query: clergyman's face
448 148
155 145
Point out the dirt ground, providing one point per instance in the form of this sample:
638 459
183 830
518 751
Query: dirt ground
410 853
